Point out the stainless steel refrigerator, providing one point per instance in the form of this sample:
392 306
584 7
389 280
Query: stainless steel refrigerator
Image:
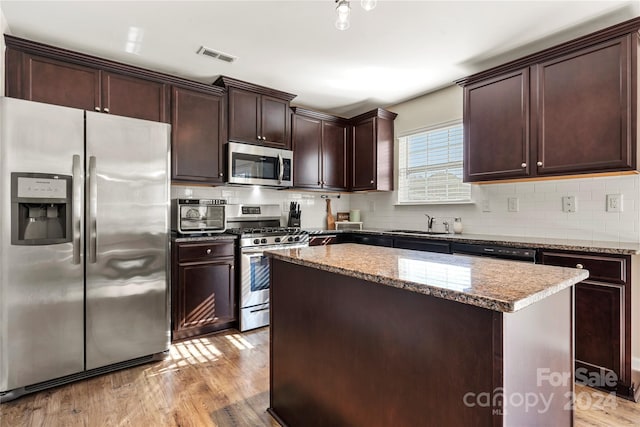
84 244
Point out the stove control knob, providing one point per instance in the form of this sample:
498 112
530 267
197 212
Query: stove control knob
277 240
290 239
256 241
296 239
263 241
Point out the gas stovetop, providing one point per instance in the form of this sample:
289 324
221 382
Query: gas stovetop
265 231
270 236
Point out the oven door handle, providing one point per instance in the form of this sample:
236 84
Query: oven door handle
253 254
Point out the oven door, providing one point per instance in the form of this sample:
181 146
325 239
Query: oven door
254 278
254 286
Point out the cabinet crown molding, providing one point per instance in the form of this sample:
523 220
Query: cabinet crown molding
228 82
378 112
61 54
631 26
318 115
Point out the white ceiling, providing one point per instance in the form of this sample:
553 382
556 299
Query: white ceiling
397 51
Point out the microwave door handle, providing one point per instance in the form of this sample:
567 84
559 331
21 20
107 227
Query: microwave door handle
281 165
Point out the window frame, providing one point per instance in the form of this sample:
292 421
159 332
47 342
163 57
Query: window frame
426 129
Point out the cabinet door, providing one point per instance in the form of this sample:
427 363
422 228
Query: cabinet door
205 294
584 110
599 317
602 315
334 156
307 138
275 122
197 136
244 116
133 97
363 167
496 127
54 82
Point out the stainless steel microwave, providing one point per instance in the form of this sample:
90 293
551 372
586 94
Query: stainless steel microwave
195 216
257 165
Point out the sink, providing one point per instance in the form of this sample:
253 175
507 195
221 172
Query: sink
430 233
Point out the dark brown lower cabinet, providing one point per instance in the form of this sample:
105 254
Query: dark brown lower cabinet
603 326
203 288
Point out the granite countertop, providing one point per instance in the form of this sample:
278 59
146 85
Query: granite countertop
594 246
222 236
495 284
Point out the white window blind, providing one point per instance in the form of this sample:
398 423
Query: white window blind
430 167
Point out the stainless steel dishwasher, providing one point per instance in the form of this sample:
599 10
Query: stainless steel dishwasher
493 251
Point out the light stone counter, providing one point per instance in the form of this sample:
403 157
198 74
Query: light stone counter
499 285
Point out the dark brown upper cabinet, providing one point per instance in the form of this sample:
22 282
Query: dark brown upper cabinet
133 97
257 115
372 151
198 135
319 150
496 128
567 110
56 80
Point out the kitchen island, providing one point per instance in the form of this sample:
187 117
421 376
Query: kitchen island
364 335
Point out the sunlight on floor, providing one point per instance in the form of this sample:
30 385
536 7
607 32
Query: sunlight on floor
239 342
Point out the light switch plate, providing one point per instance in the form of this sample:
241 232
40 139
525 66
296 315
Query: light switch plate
614 202
569 204
513 204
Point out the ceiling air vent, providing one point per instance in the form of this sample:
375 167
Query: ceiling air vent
216 54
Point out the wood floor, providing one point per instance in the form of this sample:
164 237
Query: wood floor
221 380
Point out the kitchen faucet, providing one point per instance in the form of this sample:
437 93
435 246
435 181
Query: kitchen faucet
429 222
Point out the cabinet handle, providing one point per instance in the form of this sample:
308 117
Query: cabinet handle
260 137
97 108
539 163
220 174
106 110
208 251
579 266
371 181
524 165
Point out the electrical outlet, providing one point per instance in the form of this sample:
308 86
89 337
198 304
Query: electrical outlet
614 202
486 206
512 204
569 204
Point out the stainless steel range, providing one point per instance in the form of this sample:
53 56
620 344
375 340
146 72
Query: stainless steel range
259 229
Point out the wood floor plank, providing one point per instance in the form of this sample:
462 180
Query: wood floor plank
217 381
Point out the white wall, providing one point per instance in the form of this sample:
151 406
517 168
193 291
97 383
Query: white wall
4 28
313 207
540 202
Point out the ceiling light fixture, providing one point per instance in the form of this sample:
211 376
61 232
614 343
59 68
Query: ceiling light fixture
344 11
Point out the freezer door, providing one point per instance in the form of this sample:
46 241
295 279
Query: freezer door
41 287
127 239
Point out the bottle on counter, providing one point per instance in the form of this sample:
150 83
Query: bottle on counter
331 221
457 225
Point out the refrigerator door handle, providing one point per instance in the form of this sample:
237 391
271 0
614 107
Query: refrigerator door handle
76 213
92 208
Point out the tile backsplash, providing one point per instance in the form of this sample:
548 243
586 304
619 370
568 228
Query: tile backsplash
539 212
539 206
313 207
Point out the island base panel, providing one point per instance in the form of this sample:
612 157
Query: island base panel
349 352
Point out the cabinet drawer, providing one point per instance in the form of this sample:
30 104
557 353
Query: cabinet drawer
204 251
609 269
